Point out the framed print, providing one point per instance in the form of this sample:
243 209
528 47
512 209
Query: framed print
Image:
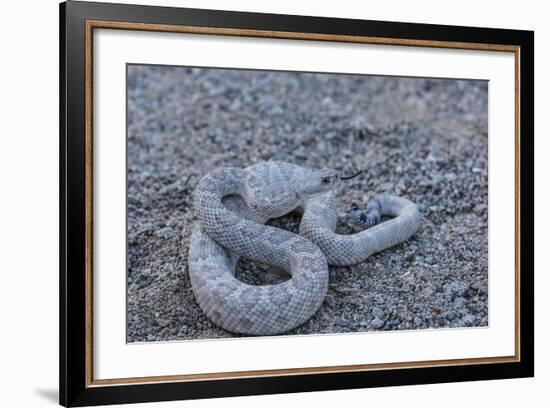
256 203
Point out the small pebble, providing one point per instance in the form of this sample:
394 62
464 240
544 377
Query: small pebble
459 302
451 315
469 320
165 233
163 322
456 289
377 323
377 312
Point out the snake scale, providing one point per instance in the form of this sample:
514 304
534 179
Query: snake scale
232 205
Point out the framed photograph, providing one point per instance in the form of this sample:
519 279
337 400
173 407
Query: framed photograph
256 203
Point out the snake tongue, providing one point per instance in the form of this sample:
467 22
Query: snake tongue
353 176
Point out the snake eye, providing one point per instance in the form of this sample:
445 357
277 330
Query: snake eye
326 180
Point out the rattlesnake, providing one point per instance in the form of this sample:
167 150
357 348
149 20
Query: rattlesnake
232 205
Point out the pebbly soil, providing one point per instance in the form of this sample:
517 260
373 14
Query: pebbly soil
424 139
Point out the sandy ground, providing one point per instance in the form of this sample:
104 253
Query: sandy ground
424 139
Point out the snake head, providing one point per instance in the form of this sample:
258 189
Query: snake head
318 182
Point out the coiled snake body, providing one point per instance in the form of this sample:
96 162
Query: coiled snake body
232 206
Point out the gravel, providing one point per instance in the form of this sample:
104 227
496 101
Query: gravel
424 139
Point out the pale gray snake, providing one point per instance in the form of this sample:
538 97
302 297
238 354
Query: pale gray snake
232 206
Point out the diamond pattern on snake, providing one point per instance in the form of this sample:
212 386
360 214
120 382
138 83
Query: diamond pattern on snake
232 206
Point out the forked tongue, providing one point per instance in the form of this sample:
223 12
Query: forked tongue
352 176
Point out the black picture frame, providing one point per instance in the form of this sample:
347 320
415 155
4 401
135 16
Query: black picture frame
76 389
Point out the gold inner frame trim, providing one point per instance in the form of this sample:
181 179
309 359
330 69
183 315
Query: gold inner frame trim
93 24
